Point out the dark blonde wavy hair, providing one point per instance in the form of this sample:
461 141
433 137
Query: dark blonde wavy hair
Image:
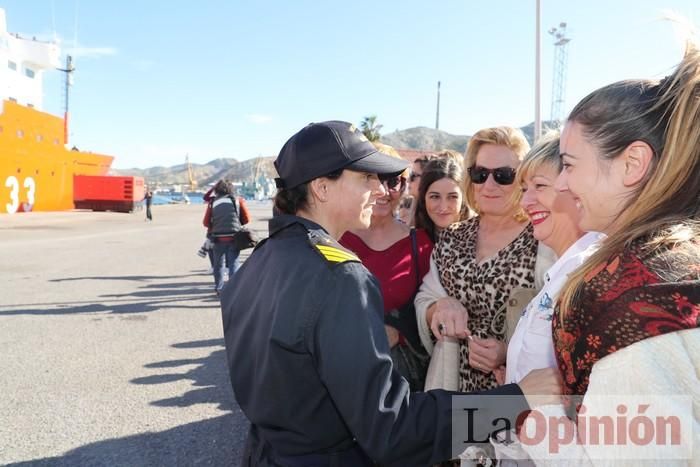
513 139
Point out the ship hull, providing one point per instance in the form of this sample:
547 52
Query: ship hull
36 170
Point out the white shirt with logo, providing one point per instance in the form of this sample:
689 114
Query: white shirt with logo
531 346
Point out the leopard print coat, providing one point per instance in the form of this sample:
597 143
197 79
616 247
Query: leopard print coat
483 288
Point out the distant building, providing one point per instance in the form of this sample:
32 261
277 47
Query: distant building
261 188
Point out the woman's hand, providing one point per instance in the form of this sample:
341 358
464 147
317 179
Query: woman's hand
500 374
542 387
392 334
486 355
449 318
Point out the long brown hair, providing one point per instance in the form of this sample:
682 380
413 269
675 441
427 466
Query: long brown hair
436 169
665 207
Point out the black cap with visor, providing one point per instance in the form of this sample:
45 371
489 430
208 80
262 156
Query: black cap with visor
323 148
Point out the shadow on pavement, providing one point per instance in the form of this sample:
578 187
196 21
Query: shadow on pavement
216 441
210 377
213 442
143 299
127 278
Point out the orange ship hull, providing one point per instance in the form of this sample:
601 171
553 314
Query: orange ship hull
36 170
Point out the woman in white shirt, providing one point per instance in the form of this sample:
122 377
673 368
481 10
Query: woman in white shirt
554 217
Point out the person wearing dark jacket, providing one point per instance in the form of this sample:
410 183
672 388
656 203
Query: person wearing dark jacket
149 201
307 352
225 216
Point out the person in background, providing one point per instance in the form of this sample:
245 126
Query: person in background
208 245
225 216
307 351
405 214
456 155
440 201
149 201
398 256
627 322
416 171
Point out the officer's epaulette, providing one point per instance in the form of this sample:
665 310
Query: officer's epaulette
330 249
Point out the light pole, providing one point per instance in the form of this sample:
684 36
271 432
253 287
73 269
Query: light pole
537 130
437 113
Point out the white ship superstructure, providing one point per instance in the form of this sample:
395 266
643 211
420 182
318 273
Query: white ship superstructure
22 63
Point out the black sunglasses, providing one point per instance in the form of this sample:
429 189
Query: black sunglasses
501 175
394 183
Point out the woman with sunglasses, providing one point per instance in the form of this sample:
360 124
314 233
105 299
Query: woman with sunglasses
399 257
477 265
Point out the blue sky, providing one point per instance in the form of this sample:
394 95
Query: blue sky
158 79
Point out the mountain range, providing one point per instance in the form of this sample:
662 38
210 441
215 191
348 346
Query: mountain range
205 174
423 138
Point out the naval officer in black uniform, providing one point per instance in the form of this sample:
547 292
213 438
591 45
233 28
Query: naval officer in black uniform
303 322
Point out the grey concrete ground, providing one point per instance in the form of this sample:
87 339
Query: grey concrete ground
111 346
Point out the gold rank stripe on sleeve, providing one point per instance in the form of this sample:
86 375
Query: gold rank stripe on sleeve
336 255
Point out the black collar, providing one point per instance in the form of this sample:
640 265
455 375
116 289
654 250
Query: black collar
282 221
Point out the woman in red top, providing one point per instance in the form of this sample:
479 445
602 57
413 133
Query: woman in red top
386 250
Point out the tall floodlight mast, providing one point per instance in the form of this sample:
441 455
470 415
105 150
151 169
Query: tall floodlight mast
561 54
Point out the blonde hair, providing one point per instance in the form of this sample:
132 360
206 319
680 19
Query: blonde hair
390 151
513 139
664 209
544 152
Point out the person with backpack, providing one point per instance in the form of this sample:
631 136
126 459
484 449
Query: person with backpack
225 215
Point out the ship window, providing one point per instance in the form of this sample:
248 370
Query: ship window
55 141
11 65
20 133
29 72
39 138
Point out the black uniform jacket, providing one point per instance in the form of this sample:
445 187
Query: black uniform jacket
309 360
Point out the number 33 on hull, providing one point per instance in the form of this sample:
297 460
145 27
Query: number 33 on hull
36 170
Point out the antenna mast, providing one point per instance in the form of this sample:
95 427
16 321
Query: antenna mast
68 70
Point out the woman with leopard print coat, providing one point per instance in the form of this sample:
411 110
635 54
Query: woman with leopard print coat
479 262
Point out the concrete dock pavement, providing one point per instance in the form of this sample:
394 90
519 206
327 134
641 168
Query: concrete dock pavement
111 342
